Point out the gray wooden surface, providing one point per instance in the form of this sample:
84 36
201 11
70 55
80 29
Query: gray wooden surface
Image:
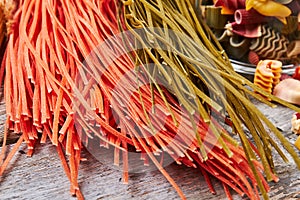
42 177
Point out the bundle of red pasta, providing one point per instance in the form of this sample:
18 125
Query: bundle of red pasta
139 76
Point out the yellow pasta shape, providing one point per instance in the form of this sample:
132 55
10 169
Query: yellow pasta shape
269 8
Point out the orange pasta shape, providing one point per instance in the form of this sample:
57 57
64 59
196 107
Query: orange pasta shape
267 74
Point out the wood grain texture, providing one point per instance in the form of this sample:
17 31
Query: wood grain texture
42 177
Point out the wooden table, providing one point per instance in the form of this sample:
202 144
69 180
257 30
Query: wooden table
42 176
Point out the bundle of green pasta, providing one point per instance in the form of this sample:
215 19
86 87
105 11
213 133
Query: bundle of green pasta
194 66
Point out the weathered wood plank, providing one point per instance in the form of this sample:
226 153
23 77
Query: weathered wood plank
42 177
